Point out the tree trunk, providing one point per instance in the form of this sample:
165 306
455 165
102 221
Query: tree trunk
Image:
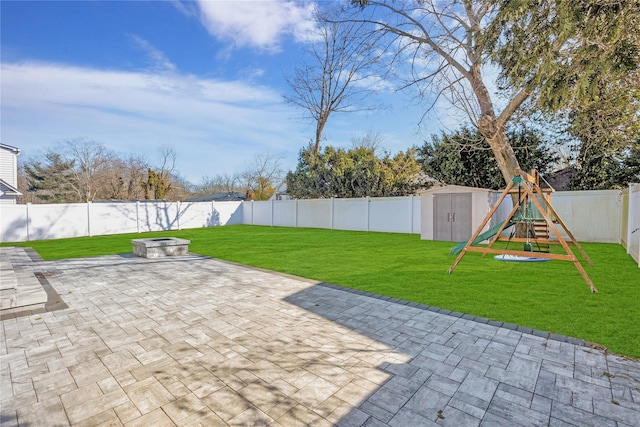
502 150
493 131
504 154
322 120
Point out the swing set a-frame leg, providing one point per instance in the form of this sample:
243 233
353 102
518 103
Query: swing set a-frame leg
562 241
477 233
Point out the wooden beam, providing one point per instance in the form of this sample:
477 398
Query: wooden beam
523 180
479 230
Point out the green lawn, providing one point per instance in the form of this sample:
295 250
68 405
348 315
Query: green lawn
550 296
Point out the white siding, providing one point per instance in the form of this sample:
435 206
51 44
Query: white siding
8 173
8 167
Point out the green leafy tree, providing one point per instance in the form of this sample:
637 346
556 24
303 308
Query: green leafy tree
462 158
356 172
52 180
551 54
606 169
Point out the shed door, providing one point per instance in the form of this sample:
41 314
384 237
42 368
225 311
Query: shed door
452 217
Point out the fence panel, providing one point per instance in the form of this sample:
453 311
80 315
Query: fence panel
351 214
19 223
112 218
624 222
157 216
315 213
285 213
14 223
199 214
228 213
58 221
392 214
591 216
262 213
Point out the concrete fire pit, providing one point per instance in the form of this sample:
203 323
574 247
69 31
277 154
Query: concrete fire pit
160 247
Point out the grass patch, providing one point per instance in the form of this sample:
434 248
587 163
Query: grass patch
550 296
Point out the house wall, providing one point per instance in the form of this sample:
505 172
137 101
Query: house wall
8 173
8 166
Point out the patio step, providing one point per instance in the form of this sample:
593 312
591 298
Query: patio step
8 278
20 289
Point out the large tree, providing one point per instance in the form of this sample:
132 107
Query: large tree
333 78
91 160
263 176
52 179
355 172
159 180
602 168
462 158
547 53
124 176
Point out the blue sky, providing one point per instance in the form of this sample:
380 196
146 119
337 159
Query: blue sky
204 77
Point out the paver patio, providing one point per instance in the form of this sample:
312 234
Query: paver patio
196 341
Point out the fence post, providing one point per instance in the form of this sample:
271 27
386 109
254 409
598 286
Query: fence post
138 215
272 210
178 203
411 213
296 213
28 222
368 213
633 227
89 219
332 212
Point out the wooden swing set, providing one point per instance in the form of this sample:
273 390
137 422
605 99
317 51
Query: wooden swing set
533 208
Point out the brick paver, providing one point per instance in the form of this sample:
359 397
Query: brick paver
195 341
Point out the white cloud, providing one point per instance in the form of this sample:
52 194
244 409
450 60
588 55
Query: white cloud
216 126
261 24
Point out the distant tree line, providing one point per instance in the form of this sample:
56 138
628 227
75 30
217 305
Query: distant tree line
84 170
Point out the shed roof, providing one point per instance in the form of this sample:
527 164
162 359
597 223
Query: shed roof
454 189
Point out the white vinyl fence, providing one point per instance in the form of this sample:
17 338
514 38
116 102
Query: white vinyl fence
19 223
591 216
609 216
382 214
633 228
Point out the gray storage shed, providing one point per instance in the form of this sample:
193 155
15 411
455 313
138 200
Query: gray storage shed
453 212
